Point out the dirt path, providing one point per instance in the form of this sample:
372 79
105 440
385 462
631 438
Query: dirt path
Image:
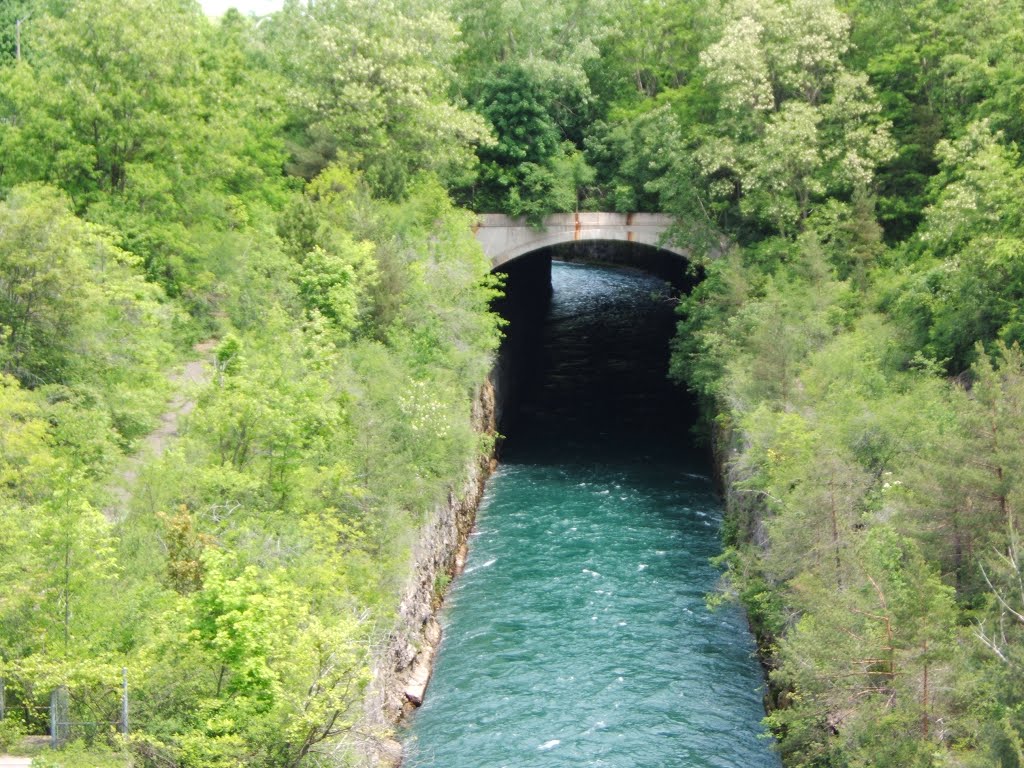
185 381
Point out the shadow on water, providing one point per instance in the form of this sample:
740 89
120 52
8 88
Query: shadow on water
587 371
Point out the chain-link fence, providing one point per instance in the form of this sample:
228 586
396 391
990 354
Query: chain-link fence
86 712
90 714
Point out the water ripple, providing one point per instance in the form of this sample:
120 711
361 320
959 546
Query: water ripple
579 634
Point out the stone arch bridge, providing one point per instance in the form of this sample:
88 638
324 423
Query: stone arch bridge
504 238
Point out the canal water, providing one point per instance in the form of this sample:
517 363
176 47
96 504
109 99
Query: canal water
578 634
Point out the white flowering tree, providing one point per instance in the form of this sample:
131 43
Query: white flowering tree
369 81
792 123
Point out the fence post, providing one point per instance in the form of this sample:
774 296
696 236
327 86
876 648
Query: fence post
3 698
59 725
124 700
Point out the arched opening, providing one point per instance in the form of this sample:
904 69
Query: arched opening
593 361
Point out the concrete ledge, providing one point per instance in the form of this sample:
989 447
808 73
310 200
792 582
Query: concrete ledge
504 238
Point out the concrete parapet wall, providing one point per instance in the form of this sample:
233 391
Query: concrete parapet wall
504 238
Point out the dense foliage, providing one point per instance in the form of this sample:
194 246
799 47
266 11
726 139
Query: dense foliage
856 343
166 180
848 175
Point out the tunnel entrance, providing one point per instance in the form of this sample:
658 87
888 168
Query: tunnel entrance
587 345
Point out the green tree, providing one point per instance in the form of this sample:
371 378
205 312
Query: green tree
513 179
866 662
60 617
104 83
368 85
968 285
270 682
75 312
44 275
793 123
1000 630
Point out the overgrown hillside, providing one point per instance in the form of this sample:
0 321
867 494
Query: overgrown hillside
857 346
149 161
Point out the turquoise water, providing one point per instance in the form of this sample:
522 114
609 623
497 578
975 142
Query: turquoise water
578 634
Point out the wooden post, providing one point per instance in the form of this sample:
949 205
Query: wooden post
3 698
17 39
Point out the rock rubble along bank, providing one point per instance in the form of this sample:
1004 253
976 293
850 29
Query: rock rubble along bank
402 670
